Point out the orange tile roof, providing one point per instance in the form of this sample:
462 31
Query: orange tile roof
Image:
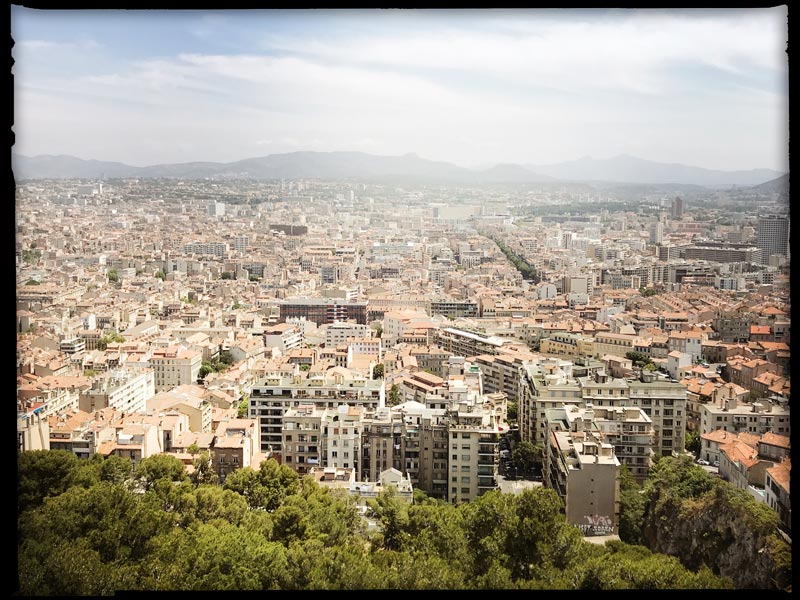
740 452
760 330
781 473
775 439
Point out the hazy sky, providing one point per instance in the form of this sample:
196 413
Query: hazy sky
702 87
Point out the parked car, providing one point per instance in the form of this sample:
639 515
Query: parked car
703 462
716 463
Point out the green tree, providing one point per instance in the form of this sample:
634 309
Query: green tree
244 405
203 470
392 514
693 442
42 474
394 395
160 275
227 275
266 488
631 508
377 371
116 469
512 412
112 275
110 338
525 455
160 466
205 368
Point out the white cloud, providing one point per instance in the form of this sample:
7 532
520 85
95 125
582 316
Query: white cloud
58 46
534 91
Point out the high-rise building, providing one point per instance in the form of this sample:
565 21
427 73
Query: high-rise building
677 207
657 233
773 236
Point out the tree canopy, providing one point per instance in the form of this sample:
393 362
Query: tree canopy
97 526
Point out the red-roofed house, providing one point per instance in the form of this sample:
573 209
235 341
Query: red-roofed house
740 465
776 488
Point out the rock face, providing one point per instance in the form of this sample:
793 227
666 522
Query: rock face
723 528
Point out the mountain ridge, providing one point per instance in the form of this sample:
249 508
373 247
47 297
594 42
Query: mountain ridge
363 166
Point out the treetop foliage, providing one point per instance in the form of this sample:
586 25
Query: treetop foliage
90 527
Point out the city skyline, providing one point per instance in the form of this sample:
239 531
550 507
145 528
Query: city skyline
474 88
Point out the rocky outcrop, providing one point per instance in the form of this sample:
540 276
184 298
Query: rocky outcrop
721 527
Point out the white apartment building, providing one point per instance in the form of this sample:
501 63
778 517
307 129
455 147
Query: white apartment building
583 470
337 334
174 366
277 392
124 389
474 436
752 417
341 437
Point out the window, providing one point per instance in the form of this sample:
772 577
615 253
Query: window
334 454
455 480
464 490
465 457
465 447
454 468
464 468
455 436
455 456
465 436
465 480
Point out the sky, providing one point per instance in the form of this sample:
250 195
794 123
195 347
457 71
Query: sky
702 87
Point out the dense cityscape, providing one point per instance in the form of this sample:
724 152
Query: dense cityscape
453 341
401 299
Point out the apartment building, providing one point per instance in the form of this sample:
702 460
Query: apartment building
33 430
465 343
283 336
431 359
454 309
474 452
422 387
752 417
687 342
665 403
124 389
583 471
630 431
173 366
324 310
337 334
433 456
236 442
276 393
618 344
777 491
301 438
501 373
134 441
381 442
567 345
341 437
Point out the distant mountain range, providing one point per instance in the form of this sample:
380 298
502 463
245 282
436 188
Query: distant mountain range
409 167
779 186
630 169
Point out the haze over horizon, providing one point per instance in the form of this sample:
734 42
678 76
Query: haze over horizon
473 88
